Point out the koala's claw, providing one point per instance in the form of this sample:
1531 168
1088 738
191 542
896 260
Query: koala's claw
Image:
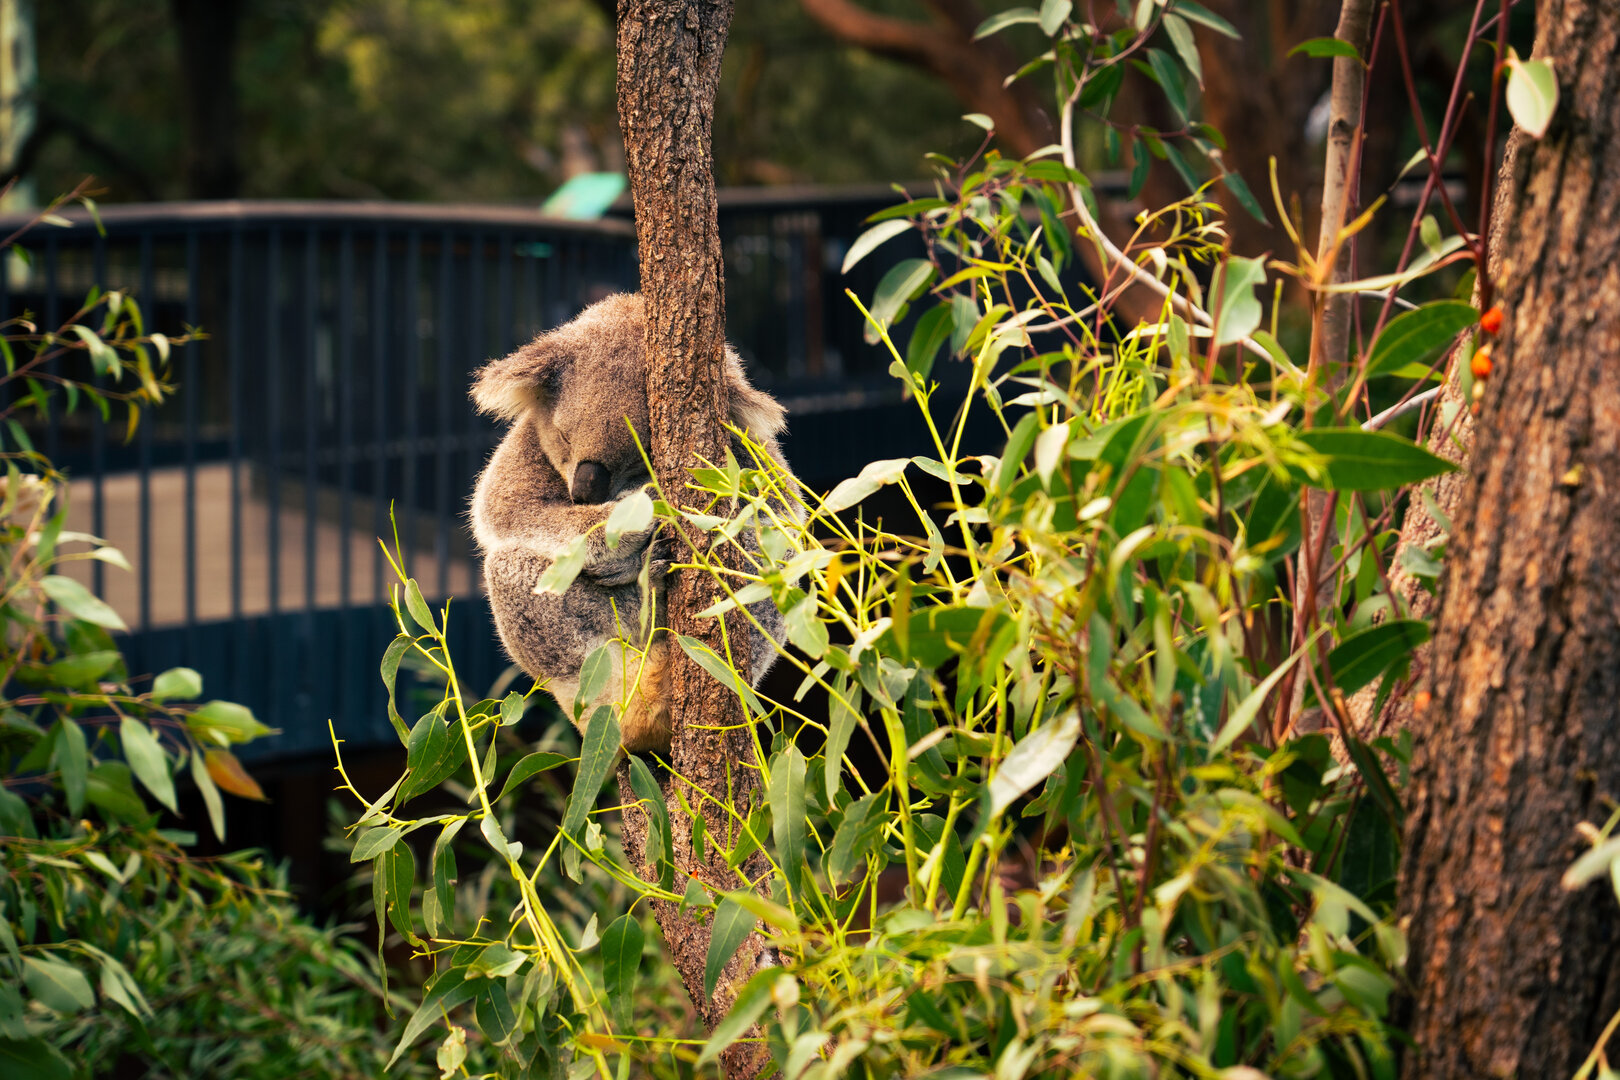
618 572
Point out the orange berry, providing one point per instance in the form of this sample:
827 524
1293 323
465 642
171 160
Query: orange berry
1491 321
1421 700
1480 365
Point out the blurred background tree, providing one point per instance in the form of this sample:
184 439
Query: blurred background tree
503 100
475 100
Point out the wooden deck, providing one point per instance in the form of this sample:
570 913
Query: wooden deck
299 579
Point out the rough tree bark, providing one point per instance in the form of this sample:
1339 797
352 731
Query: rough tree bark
668 71
1511 975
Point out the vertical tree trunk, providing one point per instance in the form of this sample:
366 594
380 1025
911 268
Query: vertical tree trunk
1511 975
669 69
208 31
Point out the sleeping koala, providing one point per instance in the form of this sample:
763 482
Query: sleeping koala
566 461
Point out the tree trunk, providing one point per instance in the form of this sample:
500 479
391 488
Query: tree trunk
1510 974
669 68
208 70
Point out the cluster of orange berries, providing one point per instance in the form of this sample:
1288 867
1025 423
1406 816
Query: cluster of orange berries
1481 365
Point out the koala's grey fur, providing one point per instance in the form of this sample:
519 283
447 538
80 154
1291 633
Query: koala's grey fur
568 393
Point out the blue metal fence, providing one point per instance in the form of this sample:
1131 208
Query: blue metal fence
332 384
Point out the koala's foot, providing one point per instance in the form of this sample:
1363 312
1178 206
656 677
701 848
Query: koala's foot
645 725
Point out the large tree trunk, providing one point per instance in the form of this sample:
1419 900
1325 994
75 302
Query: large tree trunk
669 68
1511 975
208 33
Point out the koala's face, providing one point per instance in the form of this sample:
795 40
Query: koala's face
580 417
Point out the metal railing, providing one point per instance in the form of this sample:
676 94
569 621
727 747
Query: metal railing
332 387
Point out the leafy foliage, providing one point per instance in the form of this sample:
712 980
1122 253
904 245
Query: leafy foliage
1087 795
119 945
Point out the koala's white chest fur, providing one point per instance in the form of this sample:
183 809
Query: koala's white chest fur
573 395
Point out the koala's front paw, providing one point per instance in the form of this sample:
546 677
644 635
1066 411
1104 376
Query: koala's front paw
663 554
621 565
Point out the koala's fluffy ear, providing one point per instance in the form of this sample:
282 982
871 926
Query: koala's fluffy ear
509 387
753 410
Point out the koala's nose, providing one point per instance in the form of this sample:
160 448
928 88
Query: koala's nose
590 483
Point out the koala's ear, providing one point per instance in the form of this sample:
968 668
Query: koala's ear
752 409
510 387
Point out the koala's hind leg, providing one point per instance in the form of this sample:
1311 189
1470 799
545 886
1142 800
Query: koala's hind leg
645 723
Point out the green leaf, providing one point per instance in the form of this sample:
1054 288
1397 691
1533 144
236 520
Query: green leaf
1181 36
622 942
787 810
148 761
83 669
72 759
1240 718
933 329
706 659
374 842
1360 460
840 727
32 1059
418 607
807 631
446 992
595 762
390 672
210 794
444 875
732 925
1364 656
1245 197
1003 19
78 602
857 834
427 744
936 635
490 826
1033 759
57 985
1169 79
1237 312
531 765
899 285
869 240
226 722
111 787
1593 864
1200 14
1054 13
595 672
563 569
631 514
1417 337
660 841
876 474
179 682
745 1012
398 865
1324 46
1532 94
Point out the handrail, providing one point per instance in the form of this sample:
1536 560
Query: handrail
236 212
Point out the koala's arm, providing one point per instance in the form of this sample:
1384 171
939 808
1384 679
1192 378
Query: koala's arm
521 503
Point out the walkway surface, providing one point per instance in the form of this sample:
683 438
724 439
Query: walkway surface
300 583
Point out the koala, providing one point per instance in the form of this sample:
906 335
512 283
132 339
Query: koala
567 459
